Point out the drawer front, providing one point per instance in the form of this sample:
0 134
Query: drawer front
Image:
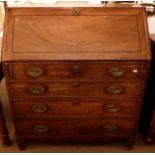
64 108
79 70
76 89
53 127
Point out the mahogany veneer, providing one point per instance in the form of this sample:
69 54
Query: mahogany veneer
76 74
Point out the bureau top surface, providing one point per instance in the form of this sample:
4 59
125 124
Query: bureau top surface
76 33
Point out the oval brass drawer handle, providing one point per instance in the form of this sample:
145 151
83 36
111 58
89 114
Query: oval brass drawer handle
110 128
39 108
112 108
40 128
115 89
37 90
114 71
35 71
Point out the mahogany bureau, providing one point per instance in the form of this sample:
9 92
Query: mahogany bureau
76 74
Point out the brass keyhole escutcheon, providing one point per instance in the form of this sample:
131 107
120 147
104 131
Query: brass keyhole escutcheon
76 12
76 85
75 69
75 122
76 103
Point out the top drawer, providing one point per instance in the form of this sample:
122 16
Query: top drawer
77 69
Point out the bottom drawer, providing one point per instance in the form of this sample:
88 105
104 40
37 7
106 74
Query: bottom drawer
66 127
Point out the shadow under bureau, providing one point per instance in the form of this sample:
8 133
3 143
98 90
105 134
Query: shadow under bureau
75 74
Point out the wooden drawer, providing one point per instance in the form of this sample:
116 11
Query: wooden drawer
79 70
51 127
68 108
76 89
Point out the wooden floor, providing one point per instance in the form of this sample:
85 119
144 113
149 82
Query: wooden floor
116 147
53 148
